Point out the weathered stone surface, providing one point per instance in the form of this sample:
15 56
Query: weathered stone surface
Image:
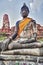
25 45
19 45
21 58
31 54
11 63
34 51
20 63
2 63
5 43
18 57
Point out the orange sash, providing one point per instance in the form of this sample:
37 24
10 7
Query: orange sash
22 24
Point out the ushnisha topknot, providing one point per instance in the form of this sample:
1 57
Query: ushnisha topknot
25 7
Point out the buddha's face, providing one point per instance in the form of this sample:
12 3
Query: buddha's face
24 13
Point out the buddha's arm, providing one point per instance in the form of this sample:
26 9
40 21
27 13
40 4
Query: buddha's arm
34 29
14 35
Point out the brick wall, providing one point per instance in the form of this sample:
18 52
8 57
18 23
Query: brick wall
39 31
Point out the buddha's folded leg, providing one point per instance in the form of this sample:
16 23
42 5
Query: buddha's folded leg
13 44
5 43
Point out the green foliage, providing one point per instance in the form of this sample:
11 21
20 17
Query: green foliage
2 38
40 40
2 33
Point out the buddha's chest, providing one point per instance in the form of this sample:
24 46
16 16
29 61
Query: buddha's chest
27 31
